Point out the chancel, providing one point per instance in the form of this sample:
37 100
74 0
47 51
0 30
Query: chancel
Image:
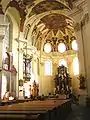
44 58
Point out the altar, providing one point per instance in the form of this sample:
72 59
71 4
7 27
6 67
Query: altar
62 81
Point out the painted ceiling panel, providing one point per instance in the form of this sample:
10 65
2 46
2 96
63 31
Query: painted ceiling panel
51 23
27 2
55 22
47 6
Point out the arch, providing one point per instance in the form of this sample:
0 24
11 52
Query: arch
56 4
14 16
35 19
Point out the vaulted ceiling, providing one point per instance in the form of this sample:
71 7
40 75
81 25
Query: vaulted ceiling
42 19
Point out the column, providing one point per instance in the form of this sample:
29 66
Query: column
85 28
1 49
81 48
20 64
88 49
41 78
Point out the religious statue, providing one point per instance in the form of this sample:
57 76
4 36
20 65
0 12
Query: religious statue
82 81
34 90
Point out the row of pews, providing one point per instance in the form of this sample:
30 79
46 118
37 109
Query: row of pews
49 109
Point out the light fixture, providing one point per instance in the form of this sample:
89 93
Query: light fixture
74 45
61 47
47 48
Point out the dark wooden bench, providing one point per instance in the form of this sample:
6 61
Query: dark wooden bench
45 110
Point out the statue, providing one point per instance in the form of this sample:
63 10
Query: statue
82 81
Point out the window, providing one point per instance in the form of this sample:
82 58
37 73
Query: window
61 47
63 62
47 48
48 67
76 66
74 45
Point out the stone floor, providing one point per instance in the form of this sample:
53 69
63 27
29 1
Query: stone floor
79 113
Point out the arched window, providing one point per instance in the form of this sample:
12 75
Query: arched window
61 47
48 67
74 45
47 48
76 66
63 62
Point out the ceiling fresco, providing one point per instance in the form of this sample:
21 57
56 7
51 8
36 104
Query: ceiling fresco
55 22
48 12
45 6
27 2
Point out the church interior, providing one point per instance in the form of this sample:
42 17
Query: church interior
44 52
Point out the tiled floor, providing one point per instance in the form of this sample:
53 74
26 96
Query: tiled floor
79 113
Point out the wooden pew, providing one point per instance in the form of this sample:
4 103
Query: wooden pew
50 109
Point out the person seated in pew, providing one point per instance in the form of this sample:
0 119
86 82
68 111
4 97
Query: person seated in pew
32 97
49 95
11 98
42 97
6 96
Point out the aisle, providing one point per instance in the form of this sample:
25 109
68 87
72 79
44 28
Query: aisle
79 113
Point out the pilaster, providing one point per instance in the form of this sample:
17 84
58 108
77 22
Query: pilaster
79 34
1 52
85 28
